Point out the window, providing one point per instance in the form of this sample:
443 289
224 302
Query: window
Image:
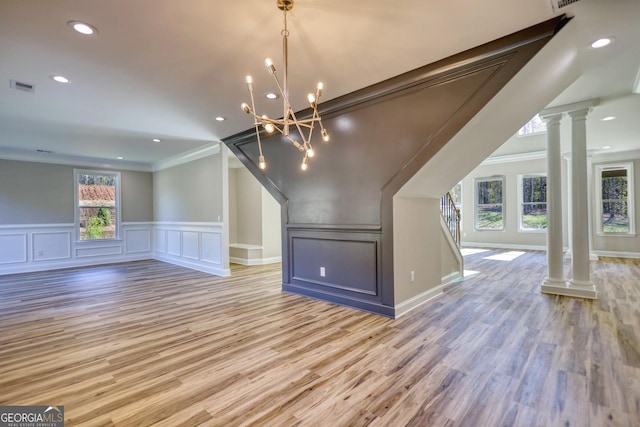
456 194
97 197
532 191
489 212
533 126
615 199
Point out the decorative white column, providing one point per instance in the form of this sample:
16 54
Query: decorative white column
580 284
554 282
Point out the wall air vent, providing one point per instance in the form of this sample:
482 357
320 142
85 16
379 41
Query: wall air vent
22 86
559 4
44 151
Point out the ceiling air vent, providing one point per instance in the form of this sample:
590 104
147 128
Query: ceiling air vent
22 86
559 4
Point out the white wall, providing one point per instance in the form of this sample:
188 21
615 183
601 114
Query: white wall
416 248
256 225
511 236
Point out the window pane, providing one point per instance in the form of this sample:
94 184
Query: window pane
489 217
534 216
97 206
97 223
614 187
615 217
534 189
489 192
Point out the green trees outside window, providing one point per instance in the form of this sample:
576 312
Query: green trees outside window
489 212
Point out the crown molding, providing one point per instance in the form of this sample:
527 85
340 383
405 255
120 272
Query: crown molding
59 159
186 157
510 158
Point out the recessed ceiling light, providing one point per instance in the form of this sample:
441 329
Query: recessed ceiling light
221 119
605 41
120 158
271 95
82 28
608 118
606 147
156 140
60 79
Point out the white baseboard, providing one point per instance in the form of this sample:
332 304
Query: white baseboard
503 246
408 305
194 265
72 263
451 278
614 254
259 261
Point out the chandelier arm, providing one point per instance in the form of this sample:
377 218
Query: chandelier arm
256 120
296 143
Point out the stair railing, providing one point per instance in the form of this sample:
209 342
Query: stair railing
451 215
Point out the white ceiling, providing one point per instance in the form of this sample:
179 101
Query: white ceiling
165 68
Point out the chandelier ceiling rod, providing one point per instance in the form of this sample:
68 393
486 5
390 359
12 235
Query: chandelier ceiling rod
289 118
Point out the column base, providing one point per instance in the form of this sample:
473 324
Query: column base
570 289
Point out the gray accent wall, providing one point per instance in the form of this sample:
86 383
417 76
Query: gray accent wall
340 214
42 193
189 192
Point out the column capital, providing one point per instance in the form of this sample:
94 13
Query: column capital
579 114
552 118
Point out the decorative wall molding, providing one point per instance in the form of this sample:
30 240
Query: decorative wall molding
37 247
510 158
195 245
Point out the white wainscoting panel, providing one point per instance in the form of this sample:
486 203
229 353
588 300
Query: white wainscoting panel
102 250
50 245
191 245
137 240
212 248
13 248
36 247
196 245
160 241
173 243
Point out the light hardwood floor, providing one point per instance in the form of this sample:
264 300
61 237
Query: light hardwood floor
150 343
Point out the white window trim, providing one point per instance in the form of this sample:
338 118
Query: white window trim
76 210
475 202
521 229
630 201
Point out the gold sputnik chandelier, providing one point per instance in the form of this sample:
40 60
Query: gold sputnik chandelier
304 126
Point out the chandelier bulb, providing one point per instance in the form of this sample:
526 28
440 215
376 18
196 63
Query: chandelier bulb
311 98
325 135
320 87
250 83
270 67
262 164
246 108
305 164
310 152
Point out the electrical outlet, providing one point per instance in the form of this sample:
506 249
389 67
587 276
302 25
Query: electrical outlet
206 254
413 276
322 272
40 252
